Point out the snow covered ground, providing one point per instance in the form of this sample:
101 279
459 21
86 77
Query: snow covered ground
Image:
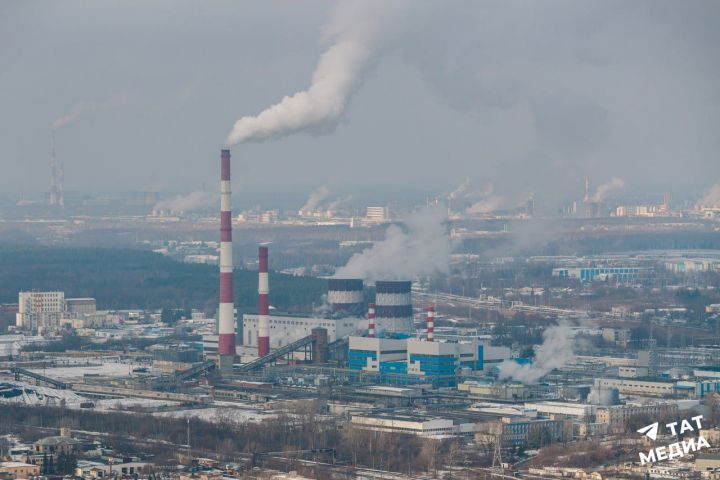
220 414
120 404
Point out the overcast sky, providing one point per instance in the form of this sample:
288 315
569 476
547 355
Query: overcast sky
522 95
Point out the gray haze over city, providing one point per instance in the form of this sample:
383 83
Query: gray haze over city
519 96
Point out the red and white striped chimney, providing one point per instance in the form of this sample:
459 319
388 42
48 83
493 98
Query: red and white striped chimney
263 303
430 323
226 312
371 320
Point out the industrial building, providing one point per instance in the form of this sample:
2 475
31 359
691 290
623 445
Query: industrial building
438 363
415 424
660 388
46 311
40 310
285 329
377 214
589 274
616 416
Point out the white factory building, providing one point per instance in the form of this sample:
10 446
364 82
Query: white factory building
409 424
285 329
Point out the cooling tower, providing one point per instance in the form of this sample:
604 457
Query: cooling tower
393 306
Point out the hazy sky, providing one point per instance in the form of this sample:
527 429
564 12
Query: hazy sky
522 95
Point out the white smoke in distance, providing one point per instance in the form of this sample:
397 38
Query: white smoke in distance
337 203
605 188
711 197
556 351
185 203
81 108
315 199
487 201
460 190
422 247
359 31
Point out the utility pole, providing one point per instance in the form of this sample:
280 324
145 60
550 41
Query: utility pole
188 439
497 464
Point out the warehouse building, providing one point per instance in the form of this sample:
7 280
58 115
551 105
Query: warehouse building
285 329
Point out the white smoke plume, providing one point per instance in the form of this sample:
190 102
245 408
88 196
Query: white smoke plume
711 197
359 30
488 201
460 190
422 247
606 188
556 351
82 108
337 203
315 199
184 203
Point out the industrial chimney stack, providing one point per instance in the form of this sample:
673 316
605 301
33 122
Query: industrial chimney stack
226 312
53 172
263 303
430 323
371 320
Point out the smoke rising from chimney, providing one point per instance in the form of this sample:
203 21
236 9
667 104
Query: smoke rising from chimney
81 108
315 199
191 201
606 188
358 30
556 351
711 197
422 247
460 190
488 201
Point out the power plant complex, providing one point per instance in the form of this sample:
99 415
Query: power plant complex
374 338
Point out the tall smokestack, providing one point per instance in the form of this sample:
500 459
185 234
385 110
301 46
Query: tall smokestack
263 303
53 172
371 320
430 323
61 186
586 199
226 312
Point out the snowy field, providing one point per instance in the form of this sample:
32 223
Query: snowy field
120 404
220 414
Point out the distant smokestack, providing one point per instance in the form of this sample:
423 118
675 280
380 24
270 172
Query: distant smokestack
586 199
371 320
430 323
226 312
61 186
53 172
263 303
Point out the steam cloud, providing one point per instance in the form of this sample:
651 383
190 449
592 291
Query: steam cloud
358 30
191 201
555 352
711 197
606 188
489 202
82 108
315 199
423 247
460 190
